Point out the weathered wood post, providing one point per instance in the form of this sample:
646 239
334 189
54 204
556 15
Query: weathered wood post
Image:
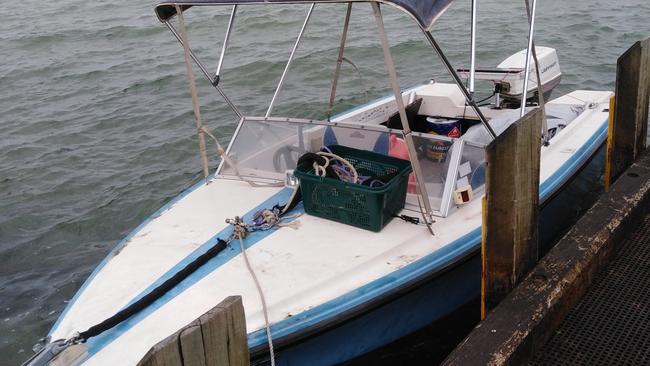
510 208
629 129
217 338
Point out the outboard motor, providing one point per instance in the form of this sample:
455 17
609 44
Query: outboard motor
508 77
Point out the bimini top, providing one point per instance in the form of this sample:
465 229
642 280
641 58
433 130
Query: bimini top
425 12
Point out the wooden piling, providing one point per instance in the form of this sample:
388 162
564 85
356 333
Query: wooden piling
630 126
217 338
510 214
610 144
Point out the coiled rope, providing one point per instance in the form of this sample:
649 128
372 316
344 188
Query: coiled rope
349 174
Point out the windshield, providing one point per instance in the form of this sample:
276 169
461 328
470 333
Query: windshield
266 148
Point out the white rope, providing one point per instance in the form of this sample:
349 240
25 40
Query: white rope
320 169
261 293
195 98
578 99
241 229
220 150
223 155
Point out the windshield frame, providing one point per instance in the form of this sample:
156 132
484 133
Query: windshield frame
455 155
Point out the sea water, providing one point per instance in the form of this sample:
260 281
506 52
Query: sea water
97 132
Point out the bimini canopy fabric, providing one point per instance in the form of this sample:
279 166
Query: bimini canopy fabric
425 12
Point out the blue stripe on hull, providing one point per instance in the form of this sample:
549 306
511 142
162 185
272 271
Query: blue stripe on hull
119 246
390 322
569 169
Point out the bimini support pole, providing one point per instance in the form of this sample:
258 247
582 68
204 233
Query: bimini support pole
217 74
472 57
193 92
339 60
293 53
204 70
531 33
459 82
540 90
408 138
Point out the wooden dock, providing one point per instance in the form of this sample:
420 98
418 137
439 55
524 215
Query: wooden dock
610 325
217 338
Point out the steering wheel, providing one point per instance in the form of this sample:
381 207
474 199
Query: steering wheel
290 155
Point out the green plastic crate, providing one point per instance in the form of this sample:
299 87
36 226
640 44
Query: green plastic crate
354 204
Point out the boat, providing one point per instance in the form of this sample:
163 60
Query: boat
318 290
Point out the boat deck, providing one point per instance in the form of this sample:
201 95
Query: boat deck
610 325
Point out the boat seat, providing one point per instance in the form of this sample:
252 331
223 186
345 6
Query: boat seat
416 121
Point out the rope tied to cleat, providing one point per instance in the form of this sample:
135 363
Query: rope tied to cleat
262 220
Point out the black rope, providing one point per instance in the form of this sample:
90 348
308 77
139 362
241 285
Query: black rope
155 294
411 219
485 99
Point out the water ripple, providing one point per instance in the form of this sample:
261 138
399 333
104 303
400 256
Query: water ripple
97 130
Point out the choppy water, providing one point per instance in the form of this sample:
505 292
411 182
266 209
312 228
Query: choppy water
96 130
